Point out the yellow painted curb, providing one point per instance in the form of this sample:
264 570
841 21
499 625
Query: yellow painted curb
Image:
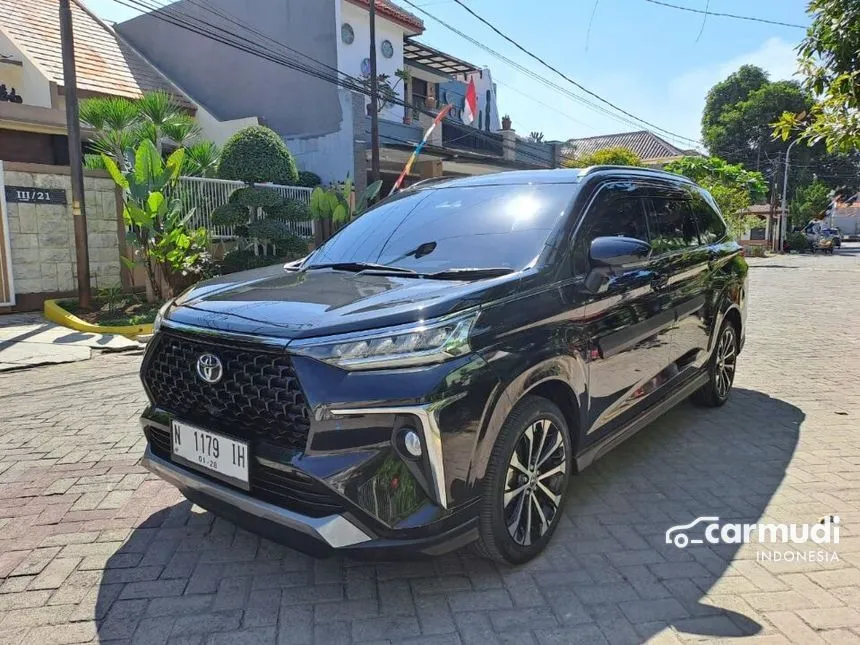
55 313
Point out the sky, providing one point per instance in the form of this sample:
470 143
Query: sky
653 61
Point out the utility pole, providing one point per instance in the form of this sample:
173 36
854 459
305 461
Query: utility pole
374 98
73 124
783 228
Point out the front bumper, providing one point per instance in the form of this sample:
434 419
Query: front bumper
318 536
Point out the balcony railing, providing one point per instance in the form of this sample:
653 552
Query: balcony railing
464 137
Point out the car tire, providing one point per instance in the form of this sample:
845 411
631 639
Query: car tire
532 455
721 369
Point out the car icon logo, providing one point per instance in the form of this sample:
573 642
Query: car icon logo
209 368
676 535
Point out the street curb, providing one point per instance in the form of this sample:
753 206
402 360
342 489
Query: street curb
55 313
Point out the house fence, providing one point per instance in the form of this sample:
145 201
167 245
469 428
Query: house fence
205 195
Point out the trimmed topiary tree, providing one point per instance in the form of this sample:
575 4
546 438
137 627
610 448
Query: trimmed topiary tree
259 215
309 179
257 155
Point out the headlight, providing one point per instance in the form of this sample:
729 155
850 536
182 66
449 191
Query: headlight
156 324
418 344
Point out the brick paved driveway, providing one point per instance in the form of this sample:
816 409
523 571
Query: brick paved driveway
93 550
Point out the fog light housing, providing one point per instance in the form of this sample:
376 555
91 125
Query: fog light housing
412 443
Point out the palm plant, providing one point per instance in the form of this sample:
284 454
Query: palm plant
120 125
162 118
201 160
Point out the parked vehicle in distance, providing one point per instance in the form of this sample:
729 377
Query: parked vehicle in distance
835 235
434 374
819 237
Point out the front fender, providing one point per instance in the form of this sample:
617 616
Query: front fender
568 370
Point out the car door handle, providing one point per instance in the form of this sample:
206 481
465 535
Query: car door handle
659 282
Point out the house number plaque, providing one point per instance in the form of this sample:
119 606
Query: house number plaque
27 195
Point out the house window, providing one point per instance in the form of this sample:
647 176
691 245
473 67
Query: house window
489 109
480 120
419 93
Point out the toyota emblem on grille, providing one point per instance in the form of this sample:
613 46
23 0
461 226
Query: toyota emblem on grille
209 368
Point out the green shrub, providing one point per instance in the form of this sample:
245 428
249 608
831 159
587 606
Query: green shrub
289 210
257 155
255 197
797 241
229 215
243 260
309 179
270 229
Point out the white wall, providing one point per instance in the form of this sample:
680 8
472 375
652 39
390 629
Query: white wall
329 156
350 56
28 81
484 82
219 131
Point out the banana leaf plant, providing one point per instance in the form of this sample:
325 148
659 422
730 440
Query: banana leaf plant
336 202
157 226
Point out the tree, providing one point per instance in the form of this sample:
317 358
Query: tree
535 136
733 187
260 215
830 62
607 157
121 125
728 93
257 155
738 113
809 203
737 126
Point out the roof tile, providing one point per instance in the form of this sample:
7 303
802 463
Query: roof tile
393 12
644 143
104 63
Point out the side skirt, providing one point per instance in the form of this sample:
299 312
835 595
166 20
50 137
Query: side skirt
594 452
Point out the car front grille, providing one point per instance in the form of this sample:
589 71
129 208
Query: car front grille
281 486
258 396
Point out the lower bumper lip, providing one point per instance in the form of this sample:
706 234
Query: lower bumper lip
333 530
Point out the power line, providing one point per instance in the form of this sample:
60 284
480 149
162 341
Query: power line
565 76
718 14
165 13
534 75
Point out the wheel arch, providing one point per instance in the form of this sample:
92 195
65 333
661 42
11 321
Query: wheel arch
561 380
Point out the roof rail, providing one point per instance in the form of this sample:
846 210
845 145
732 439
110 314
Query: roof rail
643 169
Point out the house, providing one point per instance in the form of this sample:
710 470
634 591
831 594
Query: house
652 149
299 78
762 234
33 128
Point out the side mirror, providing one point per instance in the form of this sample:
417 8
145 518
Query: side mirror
616 252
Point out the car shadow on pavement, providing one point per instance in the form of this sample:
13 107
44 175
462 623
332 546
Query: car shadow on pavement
607 573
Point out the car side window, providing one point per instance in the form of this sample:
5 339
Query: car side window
712 229
670 219
616 212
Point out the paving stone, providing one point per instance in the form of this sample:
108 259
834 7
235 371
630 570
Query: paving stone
94 549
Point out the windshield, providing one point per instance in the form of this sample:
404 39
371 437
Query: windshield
452 228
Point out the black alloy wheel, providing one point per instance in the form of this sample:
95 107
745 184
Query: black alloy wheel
721 369
526 482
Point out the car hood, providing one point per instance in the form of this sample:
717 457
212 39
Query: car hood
300 304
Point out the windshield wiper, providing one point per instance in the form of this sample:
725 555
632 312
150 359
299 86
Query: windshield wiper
468 273
361 266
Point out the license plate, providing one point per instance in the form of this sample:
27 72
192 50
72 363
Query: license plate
211 452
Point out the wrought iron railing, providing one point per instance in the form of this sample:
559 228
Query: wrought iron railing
204 195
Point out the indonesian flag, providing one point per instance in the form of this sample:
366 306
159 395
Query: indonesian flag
470 110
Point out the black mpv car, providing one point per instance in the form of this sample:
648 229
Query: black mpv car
434 374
